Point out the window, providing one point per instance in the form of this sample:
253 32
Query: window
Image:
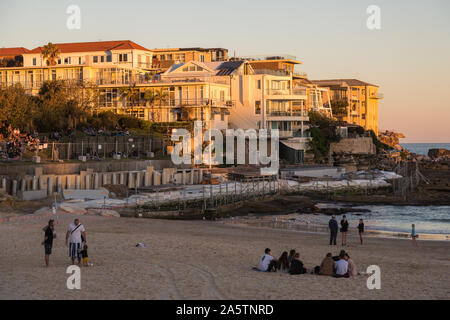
34 61
67 60
258 84
202 58
109 58
257 107
95 59
79 60
59 61
102 59
222 116
125 57
53 75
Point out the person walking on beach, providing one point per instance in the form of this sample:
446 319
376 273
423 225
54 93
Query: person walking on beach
414 235
361 230
333 226
344 229
50 234
75 233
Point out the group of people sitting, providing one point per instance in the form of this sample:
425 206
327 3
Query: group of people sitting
17 142
340 266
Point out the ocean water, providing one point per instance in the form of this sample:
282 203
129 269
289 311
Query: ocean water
432 222
422 148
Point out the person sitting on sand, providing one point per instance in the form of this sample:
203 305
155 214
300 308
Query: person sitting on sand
296 265
283 262
341 267
291 256
352 272
266 261
327 266
341 253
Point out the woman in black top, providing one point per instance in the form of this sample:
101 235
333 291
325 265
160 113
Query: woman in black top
344 230
361 229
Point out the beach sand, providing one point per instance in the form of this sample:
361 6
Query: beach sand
207 260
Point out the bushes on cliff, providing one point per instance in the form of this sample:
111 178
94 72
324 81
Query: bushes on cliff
323 132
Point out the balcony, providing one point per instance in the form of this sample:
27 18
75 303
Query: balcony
171 103
294 93
376 96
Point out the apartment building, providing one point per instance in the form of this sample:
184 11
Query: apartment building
361 97
83 62
165 58
185 92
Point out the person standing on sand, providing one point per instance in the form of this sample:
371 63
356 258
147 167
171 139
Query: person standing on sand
75 232
344 229
50 234
361 230
414 235
333 226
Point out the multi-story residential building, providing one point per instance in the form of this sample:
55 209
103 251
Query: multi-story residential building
185 92
86 61
165 58
361 97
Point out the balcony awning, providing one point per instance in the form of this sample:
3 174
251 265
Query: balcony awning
293 144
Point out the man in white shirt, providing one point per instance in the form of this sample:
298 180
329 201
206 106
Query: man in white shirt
341 267
266 258
77 235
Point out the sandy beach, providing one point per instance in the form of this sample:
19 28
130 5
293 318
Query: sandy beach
207 260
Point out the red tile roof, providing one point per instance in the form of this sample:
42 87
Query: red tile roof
94 46
13 51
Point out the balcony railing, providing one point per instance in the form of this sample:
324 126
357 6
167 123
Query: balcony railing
288 113
170 103
286 92
142 79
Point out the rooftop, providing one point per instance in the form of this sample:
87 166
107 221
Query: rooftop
342 82
13 51
94 46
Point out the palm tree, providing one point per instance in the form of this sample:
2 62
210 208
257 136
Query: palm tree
50 53
131 93
153 96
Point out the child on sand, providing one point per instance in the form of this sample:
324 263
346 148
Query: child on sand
84 255
414 235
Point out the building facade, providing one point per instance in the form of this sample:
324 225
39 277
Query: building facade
361 99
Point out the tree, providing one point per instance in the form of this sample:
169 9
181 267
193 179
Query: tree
50 54
323 132
339 108
16 107
130 93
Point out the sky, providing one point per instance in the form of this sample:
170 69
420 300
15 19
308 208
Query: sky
408 57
